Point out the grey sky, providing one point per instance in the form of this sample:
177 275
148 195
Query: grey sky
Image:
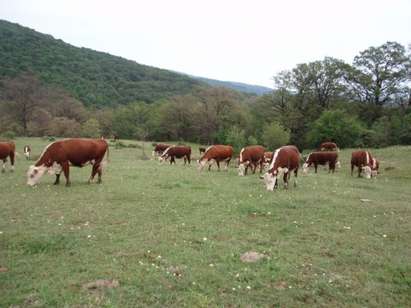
246 41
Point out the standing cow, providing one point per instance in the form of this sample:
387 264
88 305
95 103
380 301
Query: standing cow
59 155
216 153
285 160
328 146
321 158
365 162
7 149
251 156
177 152
27 151
159 149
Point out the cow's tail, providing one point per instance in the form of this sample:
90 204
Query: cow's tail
106 159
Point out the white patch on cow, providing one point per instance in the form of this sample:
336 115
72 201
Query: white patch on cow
55 169
35 173
4 166
367 172
241 155
241 170
201 164
367 158
305 168
269 180
274 158
338 165
374 163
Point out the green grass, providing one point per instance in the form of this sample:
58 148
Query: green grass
324 246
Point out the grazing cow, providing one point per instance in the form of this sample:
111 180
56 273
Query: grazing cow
173 152
216 153
159 148
251 156
201 150
27 151
365 162
321 158
7 149
285 160
328 146
59 155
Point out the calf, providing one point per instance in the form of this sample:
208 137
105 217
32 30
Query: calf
251 156
328 146
7 149
177 152
321 158
27 151
285 160
365 162
59 155
216 153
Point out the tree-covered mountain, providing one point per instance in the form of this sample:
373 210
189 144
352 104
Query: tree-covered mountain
238 86
95 78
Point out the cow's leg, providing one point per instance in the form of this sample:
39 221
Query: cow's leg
12 161
3 169
227 163
261 166
285 179
93 172
66 170
295 177
359 170
189 159
315 167
352 169
99 172
218 164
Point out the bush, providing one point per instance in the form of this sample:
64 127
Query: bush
275 136
236 138
337 126
9 135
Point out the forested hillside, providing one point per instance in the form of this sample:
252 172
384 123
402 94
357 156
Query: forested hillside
238 86
93 77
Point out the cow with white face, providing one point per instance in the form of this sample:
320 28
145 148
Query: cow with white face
216 153
285 160
367 165
27 151
251 156
59 155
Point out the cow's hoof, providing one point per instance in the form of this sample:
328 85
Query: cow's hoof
68 184
56 183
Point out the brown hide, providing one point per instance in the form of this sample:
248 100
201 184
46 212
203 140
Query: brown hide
359 159
7 149
76 152
218 153
287 157
161 147
252 156
322 158
328 146
268 156
177 152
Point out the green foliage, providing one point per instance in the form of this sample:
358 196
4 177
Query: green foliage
95 78
275 136
8 135
337 126
91 129
236 138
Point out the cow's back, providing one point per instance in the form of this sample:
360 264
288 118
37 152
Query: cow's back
252 153
6 148
218 152
285 157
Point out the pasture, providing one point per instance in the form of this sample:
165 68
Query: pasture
172 236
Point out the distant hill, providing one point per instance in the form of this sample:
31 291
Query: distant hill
238 86
95 78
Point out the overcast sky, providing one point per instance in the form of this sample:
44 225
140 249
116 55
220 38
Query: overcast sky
245 41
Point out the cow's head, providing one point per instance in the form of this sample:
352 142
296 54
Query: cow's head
367 172
162 158
269 180
34 174
201 163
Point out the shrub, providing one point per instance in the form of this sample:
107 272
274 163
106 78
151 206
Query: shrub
275 136
9 135
337 126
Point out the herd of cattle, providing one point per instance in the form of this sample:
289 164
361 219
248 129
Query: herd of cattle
57 157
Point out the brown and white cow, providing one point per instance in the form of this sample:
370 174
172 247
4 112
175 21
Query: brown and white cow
177 151
216 153
321 158
328 146
285 160
251 156
159 149
59 155
27 151
365 162
7 149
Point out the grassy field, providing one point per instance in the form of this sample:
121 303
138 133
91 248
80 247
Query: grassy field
172 236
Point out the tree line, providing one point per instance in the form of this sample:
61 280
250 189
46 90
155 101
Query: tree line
365 103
